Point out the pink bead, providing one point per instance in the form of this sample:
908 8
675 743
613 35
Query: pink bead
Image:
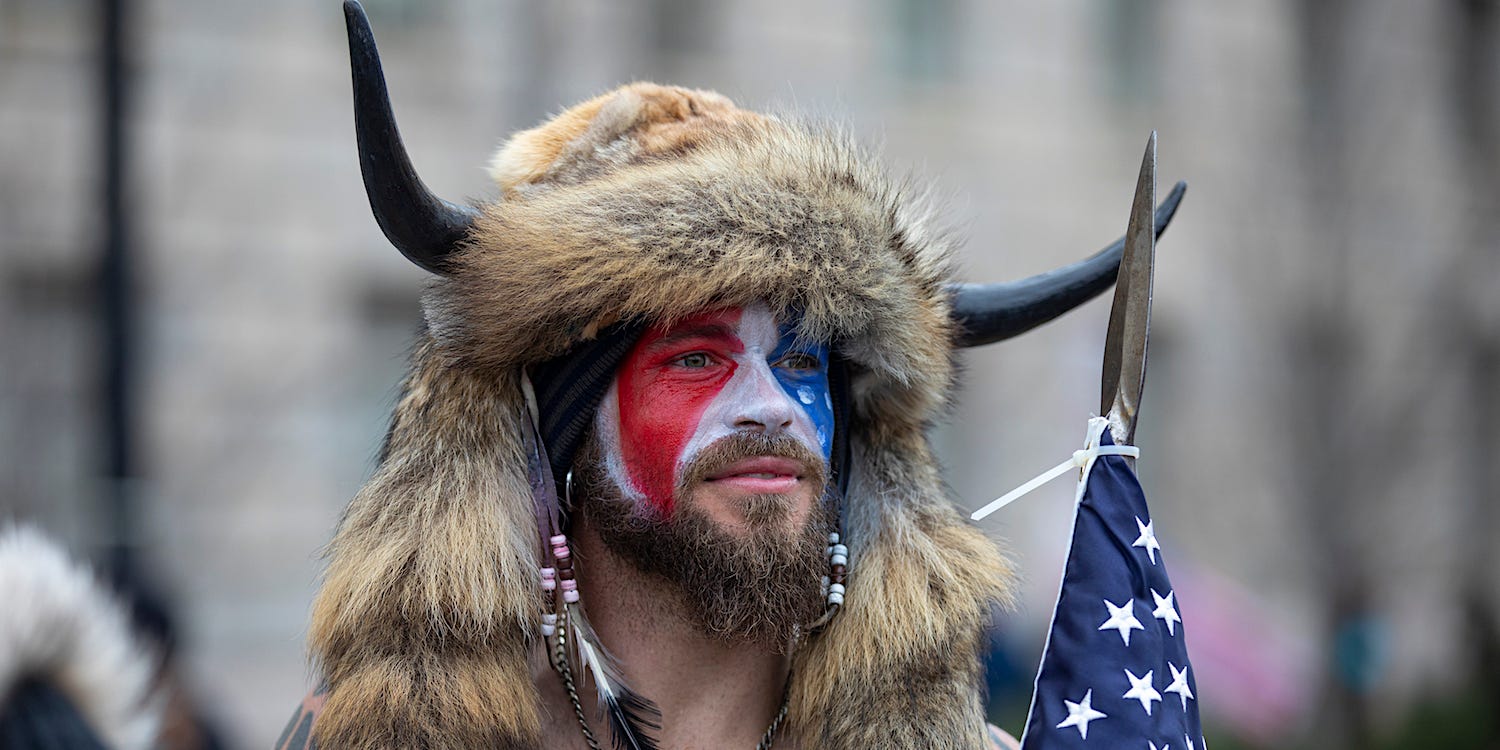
570 597
549 584
561 553
569 585
561 540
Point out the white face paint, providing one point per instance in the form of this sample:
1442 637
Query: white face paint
688 386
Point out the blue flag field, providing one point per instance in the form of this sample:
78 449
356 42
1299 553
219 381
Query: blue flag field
1115 671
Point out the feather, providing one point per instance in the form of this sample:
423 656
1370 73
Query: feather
538 471
631 716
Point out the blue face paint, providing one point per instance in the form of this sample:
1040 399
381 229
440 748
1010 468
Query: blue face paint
801 367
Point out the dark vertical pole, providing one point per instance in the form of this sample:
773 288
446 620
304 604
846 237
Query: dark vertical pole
1324 359
1475 26
116 301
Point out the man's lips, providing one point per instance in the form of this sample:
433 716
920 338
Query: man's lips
763 474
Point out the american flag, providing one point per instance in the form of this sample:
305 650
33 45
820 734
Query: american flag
1115 671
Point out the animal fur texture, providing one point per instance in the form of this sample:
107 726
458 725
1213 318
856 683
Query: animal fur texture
654 202
58 625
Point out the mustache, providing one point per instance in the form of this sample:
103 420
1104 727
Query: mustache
725 451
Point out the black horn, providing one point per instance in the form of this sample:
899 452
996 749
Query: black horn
986 313
424 227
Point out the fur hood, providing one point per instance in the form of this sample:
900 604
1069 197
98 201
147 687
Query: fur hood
651 203
60 627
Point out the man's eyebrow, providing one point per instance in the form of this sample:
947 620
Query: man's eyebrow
706 330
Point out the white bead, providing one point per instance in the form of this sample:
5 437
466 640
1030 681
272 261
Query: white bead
550 618
837 588
839 560
549 630
833 537
835 598
570 596
839 549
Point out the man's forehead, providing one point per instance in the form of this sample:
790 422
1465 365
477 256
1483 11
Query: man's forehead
753 324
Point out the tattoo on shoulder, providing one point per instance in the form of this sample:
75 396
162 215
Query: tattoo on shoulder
999 740
298 732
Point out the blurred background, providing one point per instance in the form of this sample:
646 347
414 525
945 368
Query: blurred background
202 328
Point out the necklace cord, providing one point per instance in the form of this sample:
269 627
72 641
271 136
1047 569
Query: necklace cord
560 665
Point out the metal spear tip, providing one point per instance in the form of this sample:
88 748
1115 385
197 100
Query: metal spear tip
986 313
1124 373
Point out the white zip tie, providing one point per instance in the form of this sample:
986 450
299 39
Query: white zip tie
1082 459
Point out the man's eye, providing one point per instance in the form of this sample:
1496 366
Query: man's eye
695 360
799 361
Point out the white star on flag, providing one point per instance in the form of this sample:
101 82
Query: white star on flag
1179 684
1141 690
1081 713
1165 610
1104 566
1122 619
1147 538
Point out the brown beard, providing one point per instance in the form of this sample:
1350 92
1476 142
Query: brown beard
756 586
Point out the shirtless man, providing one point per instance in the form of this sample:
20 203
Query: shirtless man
660 475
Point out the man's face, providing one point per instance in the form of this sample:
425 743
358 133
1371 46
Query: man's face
726 410
707 468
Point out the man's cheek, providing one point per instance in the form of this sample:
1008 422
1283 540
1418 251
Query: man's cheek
816 402
655 423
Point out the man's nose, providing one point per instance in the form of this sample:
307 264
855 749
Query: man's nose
762 405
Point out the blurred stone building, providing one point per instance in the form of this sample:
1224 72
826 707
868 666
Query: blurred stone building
1321 396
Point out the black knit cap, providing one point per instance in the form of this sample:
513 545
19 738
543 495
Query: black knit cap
570 387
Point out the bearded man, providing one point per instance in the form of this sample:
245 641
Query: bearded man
659 475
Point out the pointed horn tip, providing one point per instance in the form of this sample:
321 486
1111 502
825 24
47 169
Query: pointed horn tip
980 325
357 24
1168 206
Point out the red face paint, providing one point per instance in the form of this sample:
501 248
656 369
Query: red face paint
663 387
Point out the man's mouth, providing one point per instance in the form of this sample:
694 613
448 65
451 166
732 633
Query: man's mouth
761 475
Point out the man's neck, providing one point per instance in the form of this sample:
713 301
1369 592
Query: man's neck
711 692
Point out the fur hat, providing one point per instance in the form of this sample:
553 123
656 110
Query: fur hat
651 203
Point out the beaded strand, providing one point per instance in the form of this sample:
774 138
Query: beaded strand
838 569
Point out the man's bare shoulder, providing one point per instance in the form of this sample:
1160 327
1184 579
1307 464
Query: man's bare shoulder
298 732
999 740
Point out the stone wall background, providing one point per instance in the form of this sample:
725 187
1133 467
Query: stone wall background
1317 422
